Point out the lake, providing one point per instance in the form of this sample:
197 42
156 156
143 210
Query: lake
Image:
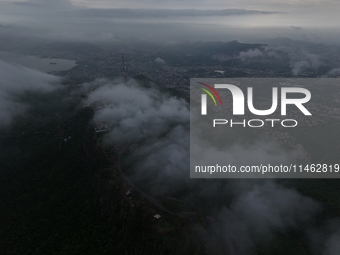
41 64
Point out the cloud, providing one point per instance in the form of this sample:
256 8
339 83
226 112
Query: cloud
56 4
252 53
257 214
160 60
134 111
311 62
154 126
15 81
303 60
296 28
265 51
298 67
334 72
206 4
165 13
166 21
27 13
325 240
333 244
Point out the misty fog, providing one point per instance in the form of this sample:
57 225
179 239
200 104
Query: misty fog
151 123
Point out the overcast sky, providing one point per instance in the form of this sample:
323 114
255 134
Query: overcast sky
197 4
89 19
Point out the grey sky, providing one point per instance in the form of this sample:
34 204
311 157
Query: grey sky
180 4
206 4
90 20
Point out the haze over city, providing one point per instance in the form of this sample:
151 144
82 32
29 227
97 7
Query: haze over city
95 131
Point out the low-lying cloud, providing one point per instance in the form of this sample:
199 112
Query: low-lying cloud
159 60
15 81
265 51
308 61
325 240
334 72
155 126
257 214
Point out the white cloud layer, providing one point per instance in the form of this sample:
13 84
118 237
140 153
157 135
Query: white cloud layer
15 81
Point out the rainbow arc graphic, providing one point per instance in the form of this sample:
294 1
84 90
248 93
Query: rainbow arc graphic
213 94
211 91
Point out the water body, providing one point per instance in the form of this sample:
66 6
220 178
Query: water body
41 64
